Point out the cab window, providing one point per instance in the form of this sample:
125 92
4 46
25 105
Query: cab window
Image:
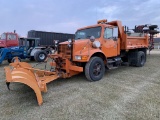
3 36
88 32
108 33
11 37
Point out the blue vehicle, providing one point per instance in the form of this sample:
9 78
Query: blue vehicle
28 48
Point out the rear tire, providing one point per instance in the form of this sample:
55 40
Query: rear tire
137 59
125 59
141 59
94 69
40 56
132 58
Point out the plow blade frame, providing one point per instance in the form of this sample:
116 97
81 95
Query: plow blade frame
30 77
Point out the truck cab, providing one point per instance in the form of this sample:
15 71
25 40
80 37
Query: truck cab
8 39
106 35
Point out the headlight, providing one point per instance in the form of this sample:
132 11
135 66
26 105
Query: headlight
53 51
83 57
77 57
69 40
56 41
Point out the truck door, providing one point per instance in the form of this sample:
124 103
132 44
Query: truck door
110 42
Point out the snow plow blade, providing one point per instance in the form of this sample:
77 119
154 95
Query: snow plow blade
34 78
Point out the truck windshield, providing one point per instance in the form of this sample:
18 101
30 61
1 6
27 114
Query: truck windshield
87 33
3 36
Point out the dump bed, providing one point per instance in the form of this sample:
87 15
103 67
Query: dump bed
134 41
130 40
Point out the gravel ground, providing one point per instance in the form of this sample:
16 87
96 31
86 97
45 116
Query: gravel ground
126 93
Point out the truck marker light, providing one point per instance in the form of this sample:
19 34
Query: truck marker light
84 57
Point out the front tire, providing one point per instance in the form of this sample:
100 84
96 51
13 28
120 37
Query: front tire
94 69
40 56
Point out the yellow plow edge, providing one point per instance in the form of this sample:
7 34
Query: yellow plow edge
36 79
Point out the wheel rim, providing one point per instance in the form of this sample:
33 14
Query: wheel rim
41 56
97 69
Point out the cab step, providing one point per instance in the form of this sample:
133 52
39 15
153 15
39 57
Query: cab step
113 63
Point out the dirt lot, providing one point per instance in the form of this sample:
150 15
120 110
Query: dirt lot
126 93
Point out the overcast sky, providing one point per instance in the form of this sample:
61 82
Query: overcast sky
68 15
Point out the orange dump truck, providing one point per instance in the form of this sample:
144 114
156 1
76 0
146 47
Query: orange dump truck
95 48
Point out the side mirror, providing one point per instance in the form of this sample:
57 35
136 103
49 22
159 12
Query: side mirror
92 38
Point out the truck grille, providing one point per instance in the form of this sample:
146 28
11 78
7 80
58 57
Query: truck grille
63 49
